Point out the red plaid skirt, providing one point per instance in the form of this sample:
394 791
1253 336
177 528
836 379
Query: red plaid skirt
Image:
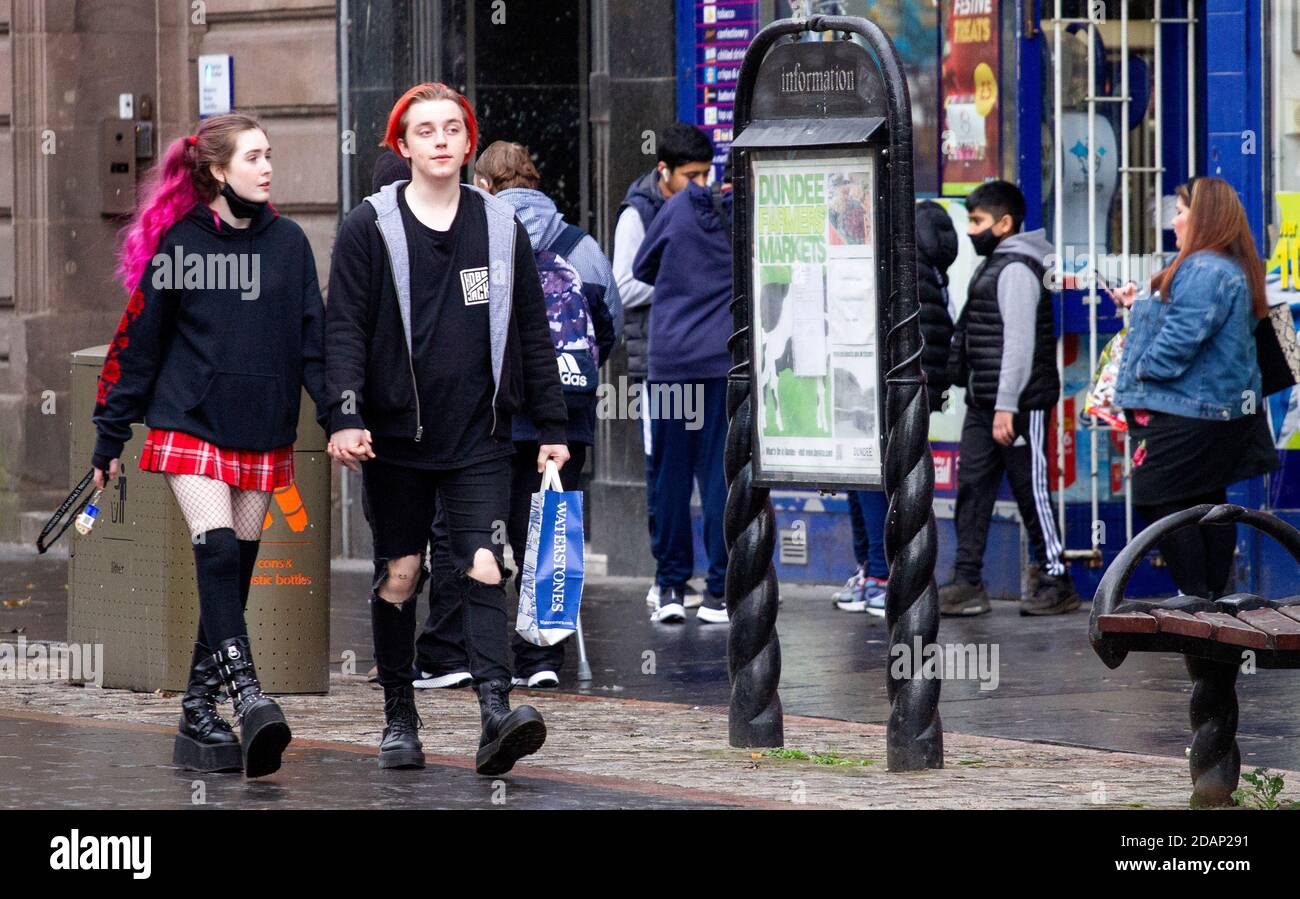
175 452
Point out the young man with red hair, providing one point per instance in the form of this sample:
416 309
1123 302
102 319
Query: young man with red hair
436 333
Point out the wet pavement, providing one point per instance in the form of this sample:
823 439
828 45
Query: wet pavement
76 764
1050 688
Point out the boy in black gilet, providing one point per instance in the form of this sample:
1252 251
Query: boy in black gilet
1004 356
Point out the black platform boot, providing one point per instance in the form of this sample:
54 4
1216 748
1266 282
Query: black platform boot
205 741
262 729
507 736
401 747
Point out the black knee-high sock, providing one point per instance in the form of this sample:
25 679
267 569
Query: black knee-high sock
247 565
393 629
216 564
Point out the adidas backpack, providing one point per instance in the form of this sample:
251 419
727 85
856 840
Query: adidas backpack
572 330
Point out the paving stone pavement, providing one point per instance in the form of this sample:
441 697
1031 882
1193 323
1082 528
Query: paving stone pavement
601 752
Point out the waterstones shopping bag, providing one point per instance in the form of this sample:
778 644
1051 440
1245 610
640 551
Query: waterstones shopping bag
551 589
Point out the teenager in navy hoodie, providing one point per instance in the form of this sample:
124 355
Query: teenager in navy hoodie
686 255
685 156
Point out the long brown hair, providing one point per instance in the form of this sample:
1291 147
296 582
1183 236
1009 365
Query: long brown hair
1216 221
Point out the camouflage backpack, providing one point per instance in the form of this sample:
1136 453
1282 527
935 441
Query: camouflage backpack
572 331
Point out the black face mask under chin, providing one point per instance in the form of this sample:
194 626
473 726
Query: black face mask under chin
239 207
985 242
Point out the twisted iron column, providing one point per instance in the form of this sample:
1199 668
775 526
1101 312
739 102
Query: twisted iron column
749 522
1215 760
914 738
749 527
915 734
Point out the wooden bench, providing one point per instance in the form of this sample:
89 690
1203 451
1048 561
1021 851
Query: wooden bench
1214 635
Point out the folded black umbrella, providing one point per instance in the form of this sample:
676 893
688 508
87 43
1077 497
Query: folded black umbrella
71 507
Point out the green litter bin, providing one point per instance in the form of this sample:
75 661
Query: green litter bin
131 584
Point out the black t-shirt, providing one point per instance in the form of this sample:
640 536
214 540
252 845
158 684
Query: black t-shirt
451 346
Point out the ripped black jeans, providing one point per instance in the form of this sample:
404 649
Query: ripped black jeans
400 503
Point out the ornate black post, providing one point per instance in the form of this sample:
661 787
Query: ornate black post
753 648
915 734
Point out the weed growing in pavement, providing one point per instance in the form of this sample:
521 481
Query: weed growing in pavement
1264 791
824 758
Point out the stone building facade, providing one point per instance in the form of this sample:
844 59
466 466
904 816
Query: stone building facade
579 81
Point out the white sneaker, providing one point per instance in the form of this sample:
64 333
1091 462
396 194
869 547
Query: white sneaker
693 597
714 611
851 586
544 679
446 682
672 611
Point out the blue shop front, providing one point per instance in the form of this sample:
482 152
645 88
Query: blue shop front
1098 110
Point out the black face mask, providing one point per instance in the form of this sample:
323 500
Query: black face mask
239 207
985 242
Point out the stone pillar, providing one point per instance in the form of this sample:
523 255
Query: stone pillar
70 61
633 91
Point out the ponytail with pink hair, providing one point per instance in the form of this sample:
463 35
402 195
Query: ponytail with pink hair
172 187
170 191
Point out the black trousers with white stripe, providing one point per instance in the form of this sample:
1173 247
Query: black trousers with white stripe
980 467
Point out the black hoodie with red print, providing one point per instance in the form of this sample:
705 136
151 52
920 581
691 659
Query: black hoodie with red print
218 338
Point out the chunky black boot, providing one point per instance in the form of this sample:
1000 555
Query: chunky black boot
507 736
205 741
262 729
401 744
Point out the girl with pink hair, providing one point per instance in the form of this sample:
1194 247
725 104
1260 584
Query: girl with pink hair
222 329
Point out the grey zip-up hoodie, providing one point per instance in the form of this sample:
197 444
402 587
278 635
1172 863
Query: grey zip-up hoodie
371 385
1018 295
501 272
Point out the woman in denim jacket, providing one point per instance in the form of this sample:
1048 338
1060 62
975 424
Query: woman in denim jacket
1189 381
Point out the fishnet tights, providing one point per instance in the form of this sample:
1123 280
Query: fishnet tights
208 504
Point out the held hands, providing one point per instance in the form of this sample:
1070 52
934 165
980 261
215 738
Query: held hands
353 445
350 446
557 451
1004 429
113 468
